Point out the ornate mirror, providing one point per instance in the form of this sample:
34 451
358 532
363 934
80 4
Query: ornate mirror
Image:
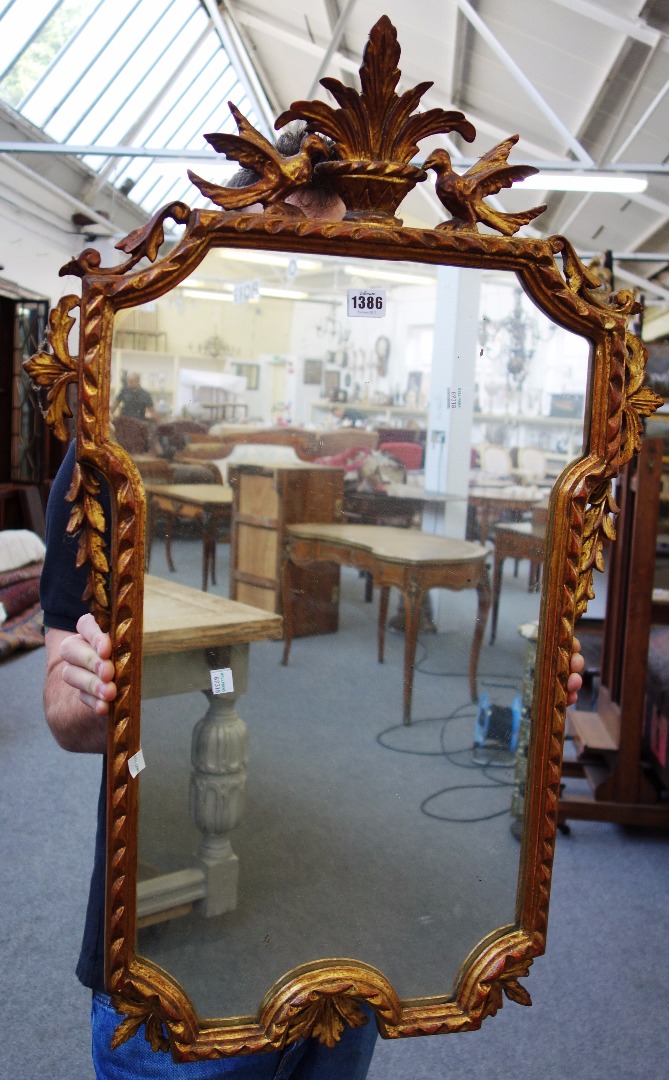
343 839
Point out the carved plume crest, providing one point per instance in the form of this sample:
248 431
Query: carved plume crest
375 134
377 125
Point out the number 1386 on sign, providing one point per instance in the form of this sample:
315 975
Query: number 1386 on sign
366 303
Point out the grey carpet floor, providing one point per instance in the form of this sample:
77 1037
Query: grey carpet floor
600 993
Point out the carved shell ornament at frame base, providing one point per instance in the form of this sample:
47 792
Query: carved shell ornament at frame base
365 150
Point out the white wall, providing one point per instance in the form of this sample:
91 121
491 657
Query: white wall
37 236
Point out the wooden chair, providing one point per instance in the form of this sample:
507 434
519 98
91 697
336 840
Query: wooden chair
518 540
496 461
531 464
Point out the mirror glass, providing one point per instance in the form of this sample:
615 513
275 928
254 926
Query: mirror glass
355 834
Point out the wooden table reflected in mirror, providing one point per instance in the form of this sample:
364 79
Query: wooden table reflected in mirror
411 561
187 634
492 502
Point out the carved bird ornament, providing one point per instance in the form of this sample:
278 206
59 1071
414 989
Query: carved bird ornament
463 194
278 175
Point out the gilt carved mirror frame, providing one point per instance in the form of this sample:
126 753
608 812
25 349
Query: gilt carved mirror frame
375 136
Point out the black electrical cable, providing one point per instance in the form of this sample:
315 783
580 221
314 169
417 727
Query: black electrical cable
459 820
459 713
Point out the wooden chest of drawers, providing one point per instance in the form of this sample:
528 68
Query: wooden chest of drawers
266 500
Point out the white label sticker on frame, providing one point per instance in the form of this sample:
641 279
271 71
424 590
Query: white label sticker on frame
221 680
366 303
136 763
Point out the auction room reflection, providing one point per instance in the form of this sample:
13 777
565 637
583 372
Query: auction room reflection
358 836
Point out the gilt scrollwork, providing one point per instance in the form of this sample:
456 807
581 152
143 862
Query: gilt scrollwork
581 281
57 370
142 243
639 400
321 1004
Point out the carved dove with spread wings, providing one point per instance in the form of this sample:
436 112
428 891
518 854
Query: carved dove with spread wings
278 176
463 194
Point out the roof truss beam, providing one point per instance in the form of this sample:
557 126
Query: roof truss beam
521 78
632 28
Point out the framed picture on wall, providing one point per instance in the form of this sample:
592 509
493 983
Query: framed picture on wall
567 406
313 372
251 373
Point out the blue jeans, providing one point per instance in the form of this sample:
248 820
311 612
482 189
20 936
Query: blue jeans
305 1060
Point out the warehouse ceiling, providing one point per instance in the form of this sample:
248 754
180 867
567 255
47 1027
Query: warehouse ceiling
126 88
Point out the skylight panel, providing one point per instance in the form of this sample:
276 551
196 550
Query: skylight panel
135 84
59 100
95 83
167 86
19 24
111 73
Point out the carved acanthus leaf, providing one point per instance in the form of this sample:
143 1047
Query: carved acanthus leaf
56 370
507 983
325 1017
137 1013
87 519
640 401
147 241
600 518
581 280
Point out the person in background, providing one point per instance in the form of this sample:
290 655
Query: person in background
134 401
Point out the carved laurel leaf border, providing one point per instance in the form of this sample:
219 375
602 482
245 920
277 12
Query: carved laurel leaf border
318 999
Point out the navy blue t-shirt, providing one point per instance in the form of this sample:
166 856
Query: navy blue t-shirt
62 586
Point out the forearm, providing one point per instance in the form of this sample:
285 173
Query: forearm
74 724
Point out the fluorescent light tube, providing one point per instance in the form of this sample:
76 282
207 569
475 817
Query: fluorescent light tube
205 294
284 294
398 276
598 182
267 258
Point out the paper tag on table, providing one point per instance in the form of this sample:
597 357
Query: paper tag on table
221 680
136 763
